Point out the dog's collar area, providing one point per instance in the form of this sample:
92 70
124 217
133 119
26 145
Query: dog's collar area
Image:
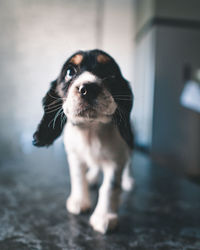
91 123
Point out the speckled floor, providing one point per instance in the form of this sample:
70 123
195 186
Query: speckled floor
162 212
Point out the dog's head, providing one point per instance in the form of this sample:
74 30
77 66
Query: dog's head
90 89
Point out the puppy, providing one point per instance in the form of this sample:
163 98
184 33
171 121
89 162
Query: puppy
91 101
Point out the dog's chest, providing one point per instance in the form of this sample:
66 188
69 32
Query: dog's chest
94 143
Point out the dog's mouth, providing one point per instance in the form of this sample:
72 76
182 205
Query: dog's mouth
86 112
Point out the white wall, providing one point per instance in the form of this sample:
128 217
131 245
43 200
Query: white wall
119 35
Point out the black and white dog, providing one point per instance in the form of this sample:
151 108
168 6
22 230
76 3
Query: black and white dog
92 102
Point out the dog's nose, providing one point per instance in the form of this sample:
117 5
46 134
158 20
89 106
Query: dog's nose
89 91
83 90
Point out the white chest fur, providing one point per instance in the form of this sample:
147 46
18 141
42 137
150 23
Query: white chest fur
96 144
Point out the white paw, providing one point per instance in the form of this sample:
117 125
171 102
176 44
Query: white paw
127 183
76 206
103 222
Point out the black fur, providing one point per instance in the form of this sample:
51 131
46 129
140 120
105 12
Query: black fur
50 128
122 114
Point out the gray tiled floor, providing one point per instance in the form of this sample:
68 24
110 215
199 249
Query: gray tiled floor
162 212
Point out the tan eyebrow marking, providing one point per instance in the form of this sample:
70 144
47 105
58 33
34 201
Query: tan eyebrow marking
77 59
103 58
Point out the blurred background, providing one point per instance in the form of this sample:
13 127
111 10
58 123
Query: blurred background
155 42
157 46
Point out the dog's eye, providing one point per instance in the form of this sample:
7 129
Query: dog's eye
71 71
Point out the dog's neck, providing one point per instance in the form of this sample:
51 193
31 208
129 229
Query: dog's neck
93 125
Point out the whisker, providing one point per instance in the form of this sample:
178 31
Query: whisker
63 119
51 111
54 97
50 123
46 108
53 120
56 116
52 103
122 96
123 99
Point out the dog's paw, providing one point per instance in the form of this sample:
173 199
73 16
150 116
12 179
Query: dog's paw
103 222
127 183
76 206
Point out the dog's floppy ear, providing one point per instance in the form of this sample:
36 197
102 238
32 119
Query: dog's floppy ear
53 120
123 96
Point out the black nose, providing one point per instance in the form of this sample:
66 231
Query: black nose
89 91
83 90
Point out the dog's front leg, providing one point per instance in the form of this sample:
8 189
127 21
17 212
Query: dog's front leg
105 215
79 200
